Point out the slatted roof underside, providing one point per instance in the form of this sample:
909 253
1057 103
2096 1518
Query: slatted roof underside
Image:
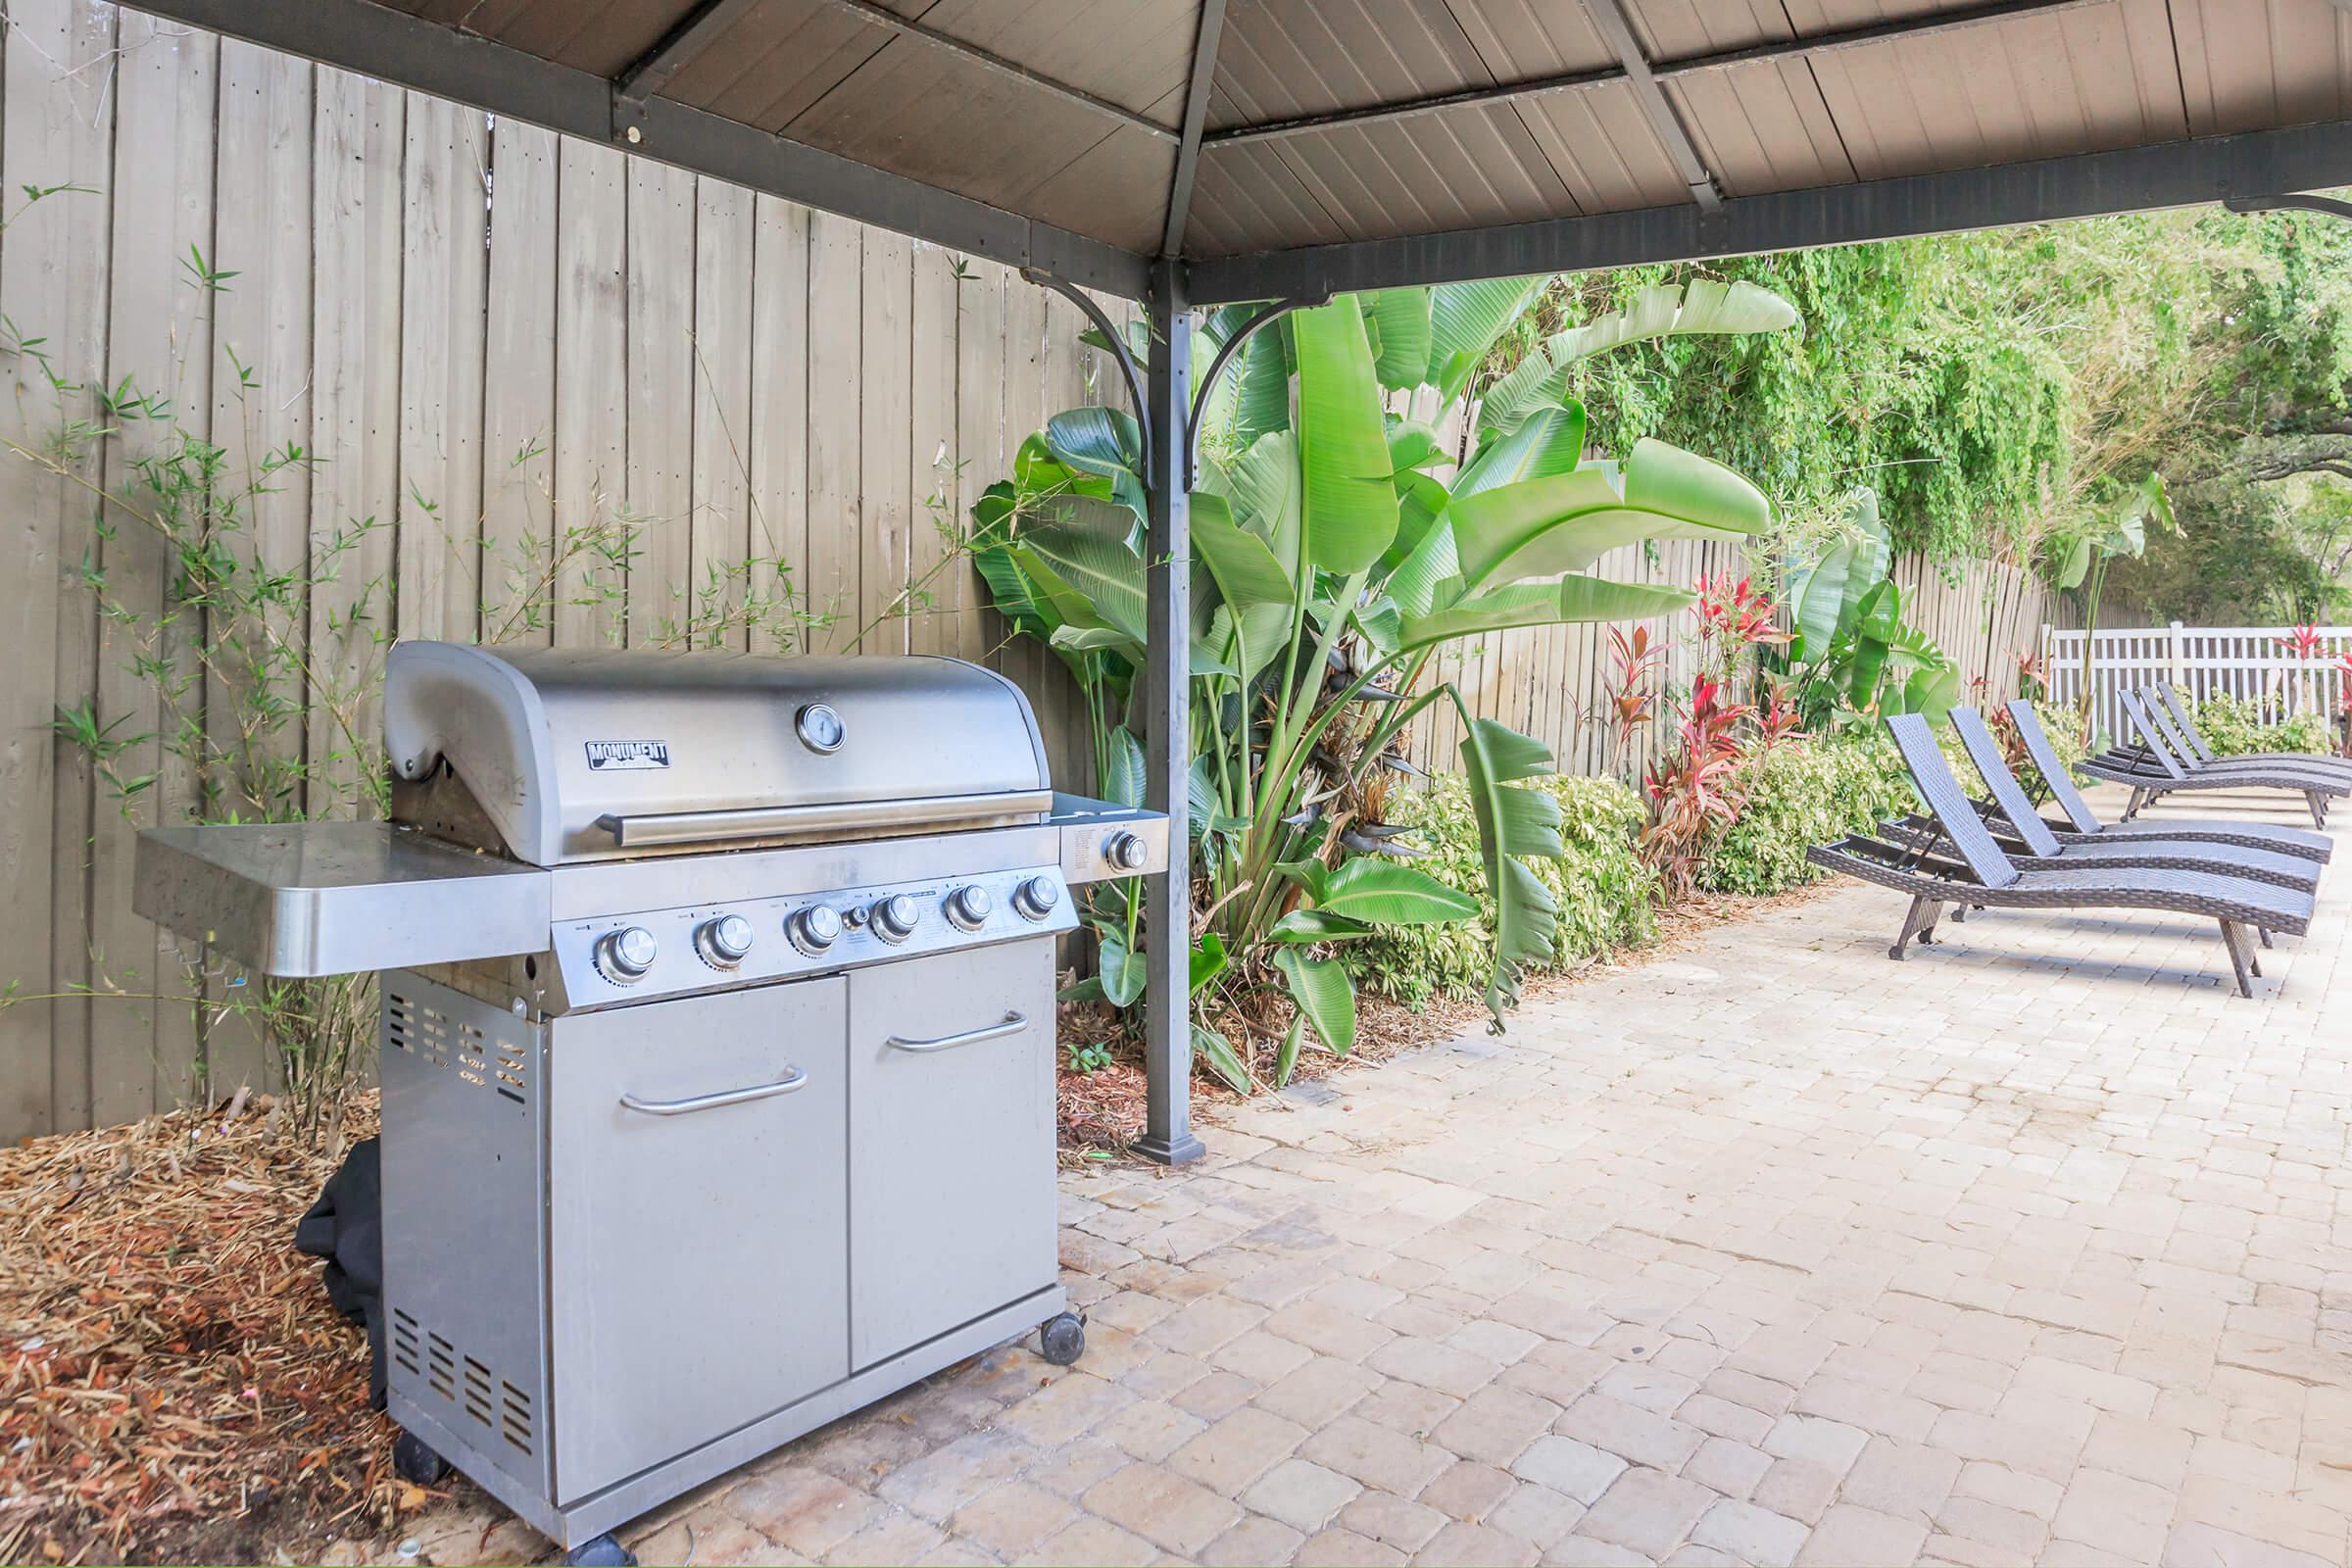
1996 84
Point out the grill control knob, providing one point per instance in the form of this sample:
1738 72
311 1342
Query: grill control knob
969 908
624 955
724 940
893 917
1034 899
814 929
1127 851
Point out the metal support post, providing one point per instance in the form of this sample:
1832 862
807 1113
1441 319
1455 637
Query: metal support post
1168 711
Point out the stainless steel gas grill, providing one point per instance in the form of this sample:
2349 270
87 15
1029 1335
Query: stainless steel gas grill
717 1044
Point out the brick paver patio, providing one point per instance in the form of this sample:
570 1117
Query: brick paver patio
1768 1252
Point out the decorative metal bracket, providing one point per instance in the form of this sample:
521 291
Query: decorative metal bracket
2298 201
1118 346
1226 354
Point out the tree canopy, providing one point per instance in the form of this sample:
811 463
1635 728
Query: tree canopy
2001 390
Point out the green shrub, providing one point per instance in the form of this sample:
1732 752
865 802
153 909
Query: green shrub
1800 793
2235 725
1606 897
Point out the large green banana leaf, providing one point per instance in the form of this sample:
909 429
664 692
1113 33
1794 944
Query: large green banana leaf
1321 989
1400 319
1512 822
1081 549
1570 600
1549 441
1242 562
1566 521
1464 320
1667 309
1351 504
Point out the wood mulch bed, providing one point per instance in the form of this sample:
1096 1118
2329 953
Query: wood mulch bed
174 1386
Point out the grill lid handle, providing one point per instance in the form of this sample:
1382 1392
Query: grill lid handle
761 821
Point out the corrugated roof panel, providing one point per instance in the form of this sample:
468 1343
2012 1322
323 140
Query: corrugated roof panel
2026 87
1520 39
777 61
1677 29
604 37
2245 65
1605 150
1762 127
1117 190
1137 56
1282 59
1413 177
1248 198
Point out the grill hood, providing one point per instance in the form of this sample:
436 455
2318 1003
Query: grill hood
555 756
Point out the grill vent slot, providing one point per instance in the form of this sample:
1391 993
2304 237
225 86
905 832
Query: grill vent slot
399 1020
441 1367
516 1416
466 1382
477 1392
507 1058
479 1059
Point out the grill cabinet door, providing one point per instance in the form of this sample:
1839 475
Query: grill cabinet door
951 1199
698 1261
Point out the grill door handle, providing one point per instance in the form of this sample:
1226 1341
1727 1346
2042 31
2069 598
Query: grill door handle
796 1080
1013 1023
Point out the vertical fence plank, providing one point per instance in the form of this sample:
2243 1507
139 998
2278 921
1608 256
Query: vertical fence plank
261 404
885 412
719 473
159 342
592 373
780 414
979 434
932 560
661 401
835 516
355 414
58 131
519 405
444 277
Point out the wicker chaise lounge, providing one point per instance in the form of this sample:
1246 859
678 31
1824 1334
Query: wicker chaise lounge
2166 699
1980 875
2020 830
2151 769
2059 785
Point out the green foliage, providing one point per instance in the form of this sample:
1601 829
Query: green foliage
1802 793
1328 566
1852 651
2235 726
1603 896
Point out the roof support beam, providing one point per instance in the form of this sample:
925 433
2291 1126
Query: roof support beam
1820 44
996 65
1196 121
651 72
1617 31
2179 174
410 52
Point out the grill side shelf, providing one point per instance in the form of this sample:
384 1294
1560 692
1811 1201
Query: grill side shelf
307 898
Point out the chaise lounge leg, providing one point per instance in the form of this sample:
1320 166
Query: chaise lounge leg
2263 931
2132 806
2318 805
1916 922
2239 960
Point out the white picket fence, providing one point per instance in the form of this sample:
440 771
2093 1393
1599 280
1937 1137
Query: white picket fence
2254 661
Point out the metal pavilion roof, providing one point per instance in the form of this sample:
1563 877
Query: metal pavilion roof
1287 147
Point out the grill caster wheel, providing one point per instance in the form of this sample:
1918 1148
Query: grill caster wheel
1063 1339
416 1463
602 1552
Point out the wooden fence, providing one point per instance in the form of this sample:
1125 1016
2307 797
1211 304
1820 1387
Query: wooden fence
491 338
2256 662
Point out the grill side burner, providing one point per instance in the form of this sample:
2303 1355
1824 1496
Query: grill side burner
718 1044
